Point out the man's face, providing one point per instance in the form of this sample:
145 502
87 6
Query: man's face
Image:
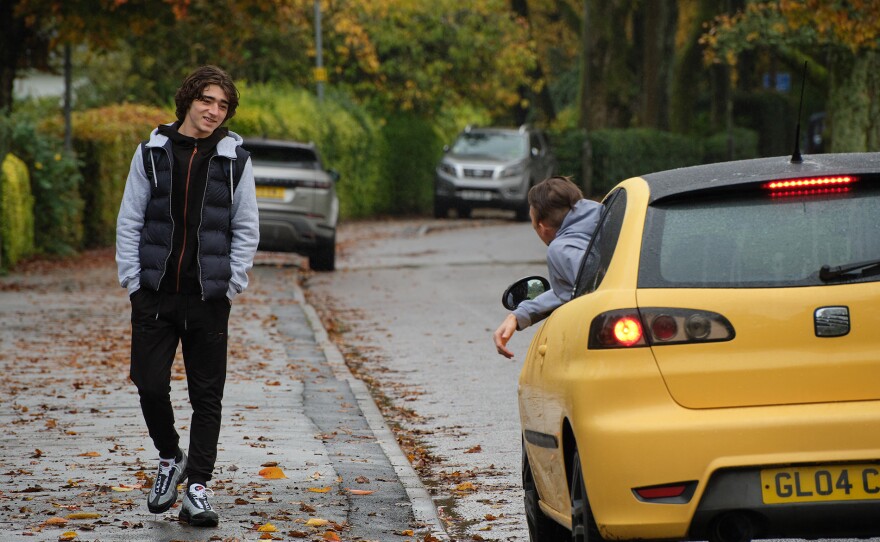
206 113
545 233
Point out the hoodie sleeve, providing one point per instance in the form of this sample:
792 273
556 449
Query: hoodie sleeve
533 311
245 231
130 222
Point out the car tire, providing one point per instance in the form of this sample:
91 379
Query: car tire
324 257
541 528
522 213
463 211
583 525
440 210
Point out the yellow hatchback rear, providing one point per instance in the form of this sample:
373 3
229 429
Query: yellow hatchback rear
718 373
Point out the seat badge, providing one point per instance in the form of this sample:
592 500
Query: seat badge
831 321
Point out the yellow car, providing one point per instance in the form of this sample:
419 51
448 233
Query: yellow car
717 373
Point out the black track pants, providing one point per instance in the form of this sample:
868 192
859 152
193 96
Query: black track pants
160 322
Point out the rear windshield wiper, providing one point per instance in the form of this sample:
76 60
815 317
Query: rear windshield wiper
827 272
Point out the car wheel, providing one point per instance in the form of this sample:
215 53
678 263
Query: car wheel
440 210
583 525
324 257
522 213
464 212
541 528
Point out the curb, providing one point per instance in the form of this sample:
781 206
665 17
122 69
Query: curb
423 507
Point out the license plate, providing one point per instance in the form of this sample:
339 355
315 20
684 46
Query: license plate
816 484
477 195
270 192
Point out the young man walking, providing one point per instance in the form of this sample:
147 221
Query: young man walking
565 222
186 236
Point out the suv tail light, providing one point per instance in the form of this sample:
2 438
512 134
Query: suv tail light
656 326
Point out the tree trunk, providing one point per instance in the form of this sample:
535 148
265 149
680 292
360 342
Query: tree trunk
608 84
659 20
853 107
11 42
542 100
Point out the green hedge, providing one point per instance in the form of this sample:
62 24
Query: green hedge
55 180
16 211
106 139
618 154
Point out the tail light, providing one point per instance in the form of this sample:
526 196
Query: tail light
810 186
656 326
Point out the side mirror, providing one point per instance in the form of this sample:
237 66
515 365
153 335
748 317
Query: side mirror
334 175
527 288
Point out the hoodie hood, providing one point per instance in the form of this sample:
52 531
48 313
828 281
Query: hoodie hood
225 146
580 221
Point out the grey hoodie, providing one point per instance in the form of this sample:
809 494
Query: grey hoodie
130 222
564 255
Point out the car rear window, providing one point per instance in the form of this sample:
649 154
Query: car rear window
753 239
302 158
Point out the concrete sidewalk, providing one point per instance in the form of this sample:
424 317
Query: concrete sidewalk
76 461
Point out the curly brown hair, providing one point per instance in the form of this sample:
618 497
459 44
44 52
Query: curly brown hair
195 84
553 198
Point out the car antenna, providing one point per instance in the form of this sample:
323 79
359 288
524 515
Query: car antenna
796 158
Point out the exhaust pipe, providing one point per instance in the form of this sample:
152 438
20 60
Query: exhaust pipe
732 527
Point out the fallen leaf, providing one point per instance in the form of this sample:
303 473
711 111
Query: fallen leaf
84 515
320 489
298 534
239 500
267 528
331 536
67 535
360 491
475 450
90 454
466 486
317 522
490 517
407 532
272 473
121 488
270 464
362 480
55 521
37 453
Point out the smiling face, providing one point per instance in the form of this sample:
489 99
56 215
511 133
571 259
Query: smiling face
206 113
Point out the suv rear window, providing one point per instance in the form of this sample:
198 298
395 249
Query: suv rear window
754 240
299 157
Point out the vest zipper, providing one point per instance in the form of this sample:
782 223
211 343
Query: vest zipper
185 211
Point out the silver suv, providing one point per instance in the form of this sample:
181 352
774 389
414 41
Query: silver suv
492 167
297 200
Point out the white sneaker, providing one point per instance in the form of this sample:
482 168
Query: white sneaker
196 509
164 492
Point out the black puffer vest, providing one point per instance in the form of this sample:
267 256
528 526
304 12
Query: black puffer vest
214 233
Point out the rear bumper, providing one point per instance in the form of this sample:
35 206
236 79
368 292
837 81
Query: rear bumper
723 450
288 232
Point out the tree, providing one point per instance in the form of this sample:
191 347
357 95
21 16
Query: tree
839 38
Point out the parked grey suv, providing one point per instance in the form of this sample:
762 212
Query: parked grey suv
297 200
492 167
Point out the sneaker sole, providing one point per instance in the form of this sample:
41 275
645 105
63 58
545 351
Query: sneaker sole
166 507
199 522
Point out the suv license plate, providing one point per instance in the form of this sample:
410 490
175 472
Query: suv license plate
824 483
270 192
476 195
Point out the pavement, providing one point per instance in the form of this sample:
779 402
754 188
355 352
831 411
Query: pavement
76 462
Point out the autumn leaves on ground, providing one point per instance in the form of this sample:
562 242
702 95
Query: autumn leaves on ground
76 461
